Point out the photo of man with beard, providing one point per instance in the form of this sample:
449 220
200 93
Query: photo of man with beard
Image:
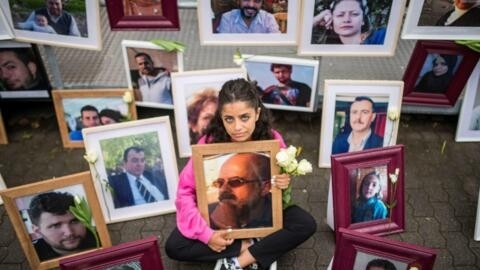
248 18
244 198
359 134
61 232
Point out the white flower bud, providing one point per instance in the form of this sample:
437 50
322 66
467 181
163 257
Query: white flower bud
127 97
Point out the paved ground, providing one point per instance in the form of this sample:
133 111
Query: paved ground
441 188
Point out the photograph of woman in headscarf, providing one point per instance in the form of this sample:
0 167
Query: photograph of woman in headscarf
438 78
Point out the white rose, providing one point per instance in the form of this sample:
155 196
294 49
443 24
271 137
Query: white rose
304 167
393 114
91 156
282 158
292 151
292 166
127 97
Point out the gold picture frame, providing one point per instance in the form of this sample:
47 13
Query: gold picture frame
16 202
68 104
206 163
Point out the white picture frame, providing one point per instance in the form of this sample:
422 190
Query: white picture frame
171 61
316 48
337 98
467 130
207 21
154 136
303 71
90 38
6 31
185 85
416 13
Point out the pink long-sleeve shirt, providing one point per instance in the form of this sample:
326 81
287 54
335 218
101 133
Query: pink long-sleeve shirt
189 220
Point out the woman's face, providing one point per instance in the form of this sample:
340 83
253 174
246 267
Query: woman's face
347 18
239 120
370 187
204 117
440 66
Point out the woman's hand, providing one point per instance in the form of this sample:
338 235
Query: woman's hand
324 19
220 240
281 181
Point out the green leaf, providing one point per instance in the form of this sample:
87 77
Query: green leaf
169 45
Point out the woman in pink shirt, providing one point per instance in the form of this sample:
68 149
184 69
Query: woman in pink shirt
240 117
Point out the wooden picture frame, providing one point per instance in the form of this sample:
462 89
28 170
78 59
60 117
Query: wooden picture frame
111 144
145 15
139 254
338 97
3 132
207 163
385 21
420 75
354 205
36 85
468 127
188 88
87 19
286 17
2 187
355 250
165 62
17 200
68 108
422 18
304 78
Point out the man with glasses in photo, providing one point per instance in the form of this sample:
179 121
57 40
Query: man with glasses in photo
248 18
244 198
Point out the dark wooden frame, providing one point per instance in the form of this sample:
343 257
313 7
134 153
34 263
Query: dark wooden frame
169 20
342 164
458 81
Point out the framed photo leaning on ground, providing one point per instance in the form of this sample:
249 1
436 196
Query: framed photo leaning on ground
284 83
437 72
368 190
22 73
77 25
143 15
468 128
358 115
222 22
41 211
148 68
356 250
195 94
134 169
77 109
6 31
452 20
225 171
139 254
373 30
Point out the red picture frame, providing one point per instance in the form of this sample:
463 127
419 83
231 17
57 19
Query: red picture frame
354 249
349 170
121 18
423 51
144 251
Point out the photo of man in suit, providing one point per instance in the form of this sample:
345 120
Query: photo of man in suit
136 186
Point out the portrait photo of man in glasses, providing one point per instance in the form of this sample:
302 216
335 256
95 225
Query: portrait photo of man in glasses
244 198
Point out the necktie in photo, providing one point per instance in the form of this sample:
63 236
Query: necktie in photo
144 192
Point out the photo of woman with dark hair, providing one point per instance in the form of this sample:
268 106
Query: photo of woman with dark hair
438 79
